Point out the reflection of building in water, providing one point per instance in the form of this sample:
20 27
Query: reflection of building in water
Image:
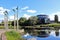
43 19
52 33
55 33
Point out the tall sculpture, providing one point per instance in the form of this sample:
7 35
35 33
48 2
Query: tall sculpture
6 20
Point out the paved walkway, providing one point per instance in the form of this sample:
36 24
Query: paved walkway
1 32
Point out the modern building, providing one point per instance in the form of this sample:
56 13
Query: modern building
43 19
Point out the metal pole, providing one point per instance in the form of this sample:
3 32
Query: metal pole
14 22
6 20
14 19
17 18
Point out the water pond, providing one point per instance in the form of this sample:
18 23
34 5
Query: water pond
51 36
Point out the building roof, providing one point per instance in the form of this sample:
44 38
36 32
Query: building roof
42 15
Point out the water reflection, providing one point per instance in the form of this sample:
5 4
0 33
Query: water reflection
52 36
52 33
27 34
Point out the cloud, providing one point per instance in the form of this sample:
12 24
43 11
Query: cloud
26 16
2 13
31 11
24 8
51 16
11 18
2 10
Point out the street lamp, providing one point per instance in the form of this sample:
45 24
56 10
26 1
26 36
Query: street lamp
14 19
17 17
6 19
16 10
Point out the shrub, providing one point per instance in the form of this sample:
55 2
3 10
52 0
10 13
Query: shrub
11 27
13 35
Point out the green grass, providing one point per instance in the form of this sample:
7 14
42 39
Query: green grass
50 25
11 27
2 27
44 25
54 24
13 35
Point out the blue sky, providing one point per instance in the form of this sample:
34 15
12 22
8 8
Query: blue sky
29 8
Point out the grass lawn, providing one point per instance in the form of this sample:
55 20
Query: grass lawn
50 25
55 24
13 35
2 27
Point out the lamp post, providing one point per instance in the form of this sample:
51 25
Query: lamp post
14 19
16 15
6 20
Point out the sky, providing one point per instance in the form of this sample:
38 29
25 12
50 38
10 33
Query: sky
28 8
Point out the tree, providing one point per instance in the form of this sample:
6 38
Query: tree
12 23
33 20
56 18
22 21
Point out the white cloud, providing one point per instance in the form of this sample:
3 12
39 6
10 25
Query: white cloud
11 18
2 13
24 8
31 11
51 16
26 16
2 10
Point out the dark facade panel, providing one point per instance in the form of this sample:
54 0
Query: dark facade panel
43 19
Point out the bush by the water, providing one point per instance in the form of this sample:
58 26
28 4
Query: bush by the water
13 35
11 27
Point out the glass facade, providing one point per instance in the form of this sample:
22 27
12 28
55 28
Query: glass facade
43 19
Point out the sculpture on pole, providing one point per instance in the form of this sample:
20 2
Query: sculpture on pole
6 20
16 16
